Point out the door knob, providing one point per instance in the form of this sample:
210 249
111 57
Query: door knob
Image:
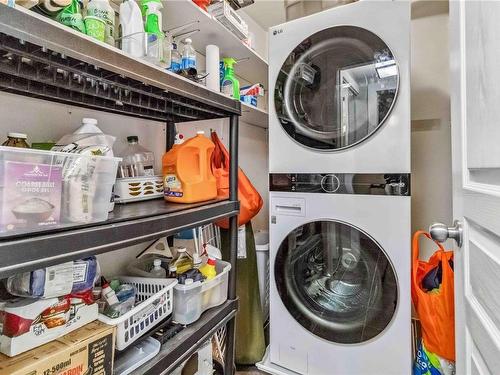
440 232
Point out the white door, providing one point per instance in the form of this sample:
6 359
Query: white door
475 117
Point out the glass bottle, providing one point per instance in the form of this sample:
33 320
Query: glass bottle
16 140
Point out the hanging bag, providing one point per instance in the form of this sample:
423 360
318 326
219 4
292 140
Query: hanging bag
436 308
250 200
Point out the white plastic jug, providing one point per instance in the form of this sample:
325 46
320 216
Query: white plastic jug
133 36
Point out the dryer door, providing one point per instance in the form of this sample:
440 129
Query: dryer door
336 88
336 281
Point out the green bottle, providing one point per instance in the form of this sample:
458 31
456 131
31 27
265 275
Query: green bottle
230 84
151 10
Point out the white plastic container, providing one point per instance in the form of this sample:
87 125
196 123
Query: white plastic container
42 190
226 15
134 189
192 300
262 249
153 304
133 41
135 356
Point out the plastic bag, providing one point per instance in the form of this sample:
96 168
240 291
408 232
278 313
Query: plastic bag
55 281
426 363
436 309
250 200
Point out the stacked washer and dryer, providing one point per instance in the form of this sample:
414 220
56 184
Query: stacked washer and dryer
339 158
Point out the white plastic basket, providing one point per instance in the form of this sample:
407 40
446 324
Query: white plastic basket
132 189
155 303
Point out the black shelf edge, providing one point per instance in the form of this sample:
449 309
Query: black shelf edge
94 75
185 343
127 225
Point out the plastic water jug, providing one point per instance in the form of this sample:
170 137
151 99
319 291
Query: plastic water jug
187 174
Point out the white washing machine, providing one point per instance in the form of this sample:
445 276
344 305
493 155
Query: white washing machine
340 275
339 84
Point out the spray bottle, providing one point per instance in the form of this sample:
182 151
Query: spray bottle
152 26
230 84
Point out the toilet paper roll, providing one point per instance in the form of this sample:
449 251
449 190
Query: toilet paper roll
212 64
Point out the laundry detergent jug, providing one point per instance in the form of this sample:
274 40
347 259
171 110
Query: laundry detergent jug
187 174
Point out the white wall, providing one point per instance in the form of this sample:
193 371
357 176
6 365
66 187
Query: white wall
431 136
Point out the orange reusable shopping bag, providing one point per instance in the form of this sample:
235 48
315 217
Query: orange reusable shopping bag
435 309
250 200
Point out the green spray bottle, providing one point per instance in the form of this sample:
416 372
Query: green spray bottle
151 10
230 84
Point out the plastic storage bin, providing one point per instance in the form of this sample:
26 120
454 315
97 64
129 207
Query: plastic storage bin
192 300
42 190
262 249
155 304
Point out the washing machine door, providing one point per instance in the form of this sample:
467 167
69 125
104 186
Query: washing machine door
336 88
336 281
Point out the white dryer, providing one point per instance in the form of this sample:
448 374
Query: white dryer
339 84
340 274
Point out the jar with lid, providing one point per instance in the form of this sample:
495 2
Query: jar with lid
16 140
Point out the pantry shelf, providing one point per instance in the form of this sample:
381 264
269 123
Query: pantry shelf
252 67
127 225
44 59
254 116
184 344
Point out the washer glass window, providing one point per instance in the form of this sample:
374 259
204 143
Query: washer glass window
336 281
336 88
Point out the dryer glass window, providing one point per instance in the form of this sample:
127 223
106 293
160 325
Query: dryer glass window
336 281
336 88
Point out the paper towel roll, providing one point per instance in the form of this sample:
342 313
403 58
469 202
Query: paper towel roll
212 64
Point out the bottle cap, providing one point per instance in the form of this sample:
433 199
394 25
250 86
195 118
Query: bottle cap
188 282
157 262
17 135
197 259
172 268
188 41
132 138
88 120
212 261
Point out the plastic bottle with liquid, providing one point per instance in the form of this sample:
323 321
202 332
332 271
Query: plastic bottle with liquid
175 59
132 28
158 271
230 84
137 160
188 55
152 26
182 261
187 171
172 272
101 9
208 270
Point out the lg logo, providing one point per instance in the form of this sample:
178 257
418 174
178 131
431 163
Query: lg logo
276 32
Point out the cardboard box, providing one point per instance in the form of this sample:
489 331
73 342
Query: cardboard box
86 351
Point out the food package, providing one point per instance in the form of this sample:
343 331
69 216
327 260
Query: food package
30 197
87 350
253 90
80 175
55 281
29 322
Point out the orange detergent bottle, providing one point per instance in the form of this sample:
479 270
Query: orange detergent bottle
187 172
